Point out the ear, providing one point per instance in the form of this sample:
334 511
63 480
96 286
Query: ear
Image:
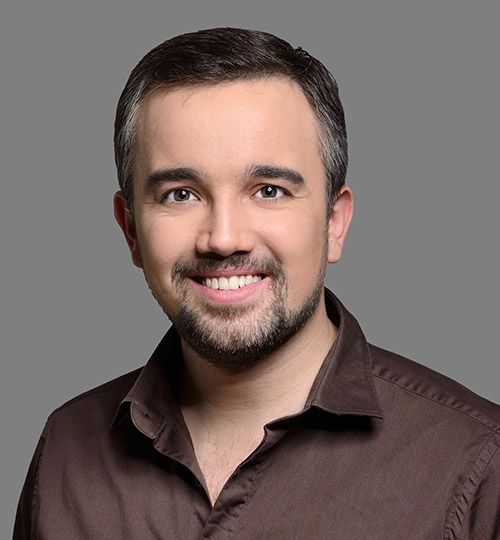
125 219
338 223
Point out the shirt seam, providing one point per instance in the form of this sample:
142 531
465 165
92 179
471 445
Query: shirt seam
492 429
35 500
87 394
475 472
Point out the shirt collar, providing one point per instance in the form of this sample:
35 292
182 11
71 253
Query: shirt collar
345 381
344 384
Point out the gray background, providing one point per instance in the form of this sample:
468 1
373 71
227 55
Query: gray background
420 86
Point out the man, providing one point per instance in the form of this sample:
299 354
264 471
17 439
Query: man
263 413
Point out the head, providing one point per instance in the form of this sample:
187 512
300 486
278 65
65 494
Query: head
219 55
231 156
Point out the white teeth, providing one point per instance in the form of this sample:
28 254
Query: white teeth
234 282
231 283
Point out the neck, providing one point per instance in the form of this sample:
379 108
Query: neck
275 387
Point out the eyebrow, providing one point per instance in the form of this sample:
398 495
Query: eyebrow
272 171
163 176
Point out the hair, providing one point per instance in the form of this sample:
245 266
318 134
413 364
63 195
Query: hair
217 55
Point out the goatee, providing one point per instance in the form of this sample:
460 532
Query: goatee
228 336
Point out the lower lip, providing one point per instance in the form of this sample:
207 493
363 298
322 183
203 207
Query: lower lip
233 296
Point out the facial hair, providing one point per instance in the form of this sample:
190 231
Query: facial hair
225 335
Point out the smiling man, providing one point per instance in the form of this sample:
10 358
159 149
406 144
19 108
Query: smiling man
263 413
234 237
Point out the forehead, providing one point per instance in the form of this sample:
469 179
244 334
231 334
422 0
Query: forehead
229 124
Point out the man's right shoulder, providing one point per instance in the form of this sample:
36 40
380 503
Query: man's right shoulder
97 405
76 436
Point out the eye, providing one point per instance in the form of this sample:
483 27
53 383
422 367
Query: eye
179 195
271 192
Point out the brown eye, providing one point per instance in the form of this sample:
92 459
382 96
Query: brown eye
179 195
270 192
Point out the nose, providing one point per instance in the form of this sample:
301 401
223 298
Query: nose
225 230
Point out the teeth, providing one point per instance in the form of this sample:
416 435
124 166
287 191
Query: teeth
230 284
234 282
223 284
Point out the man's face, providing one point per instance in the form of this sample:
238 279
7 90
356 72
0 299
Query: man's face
230 223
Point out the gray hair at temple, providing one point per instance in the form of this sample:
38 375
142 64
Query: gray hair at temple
219 55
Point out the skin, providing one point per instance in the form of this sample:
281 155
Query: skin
226 214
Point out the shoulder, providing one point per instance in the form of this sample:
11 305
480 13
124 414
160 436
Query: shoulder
432 390
76 433
449 426
95 407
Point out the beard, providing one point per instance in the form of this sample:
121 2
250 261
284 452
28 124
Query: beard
237 337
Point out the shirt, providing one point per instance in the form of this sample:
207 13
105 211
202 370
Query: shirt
384 449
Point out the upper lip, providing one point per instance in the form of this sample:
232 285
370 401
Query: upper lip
227 273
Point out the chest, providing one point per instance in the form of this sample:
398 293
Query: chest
219 457
288 494
311 484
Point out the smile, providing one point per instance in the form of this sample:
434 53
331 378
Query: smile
229 283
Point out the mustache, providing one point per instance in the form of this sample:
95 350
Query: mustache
236 261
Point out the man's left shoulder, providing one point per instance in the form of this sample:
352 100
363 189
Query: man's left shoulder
432 391
449 438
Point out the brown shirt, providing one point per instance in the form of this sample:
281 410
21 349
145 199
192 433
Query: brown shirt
384 449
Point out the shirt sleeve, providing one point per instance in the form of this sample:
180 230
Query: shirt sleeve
29 498
477 511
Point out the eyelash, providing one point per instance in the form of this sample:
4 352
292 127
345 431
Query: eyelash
166 196
284 192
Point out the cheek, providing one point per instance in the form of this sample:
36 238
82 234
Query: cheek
160 248
300 247
310 256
